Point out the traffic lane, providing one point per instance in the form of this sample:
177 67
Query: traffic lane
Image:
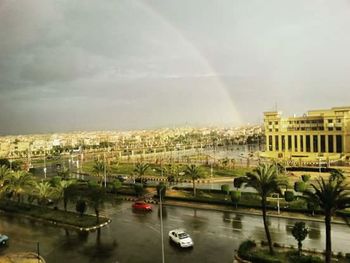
147 241
223 224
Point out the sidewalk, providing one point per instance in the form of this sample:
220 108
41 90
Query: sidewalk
252 211
21 257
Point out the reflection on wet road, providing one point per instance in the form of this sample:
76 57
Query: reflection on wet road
135 237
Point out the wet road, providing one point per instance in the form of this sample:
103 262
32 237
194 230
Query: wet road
135 237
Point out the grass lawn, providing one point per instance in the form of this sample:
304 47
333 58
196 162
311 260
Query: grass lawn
52 215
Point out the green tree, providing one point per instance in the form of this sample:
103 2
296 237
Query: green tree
5 162
289 196
60 191
81 207
140 169
43 191
265 181
235 197
300 186
305 178
138 188
161 190
331 195
115 185
337 175
225 188
18 183
237 182
98 170
300 232
96 197
194 173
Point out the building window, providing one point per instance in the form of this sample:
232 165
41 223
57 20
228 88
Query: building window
330 128
289 143
339 143
338 128
270 130
276 130
276 122
330 144
301 143
323 143
338 120
270 143
283 145
276 142
296 143
330 121
270 122
308 144
315 143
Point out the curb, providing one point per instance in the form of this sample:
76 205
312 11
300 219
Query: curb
189 205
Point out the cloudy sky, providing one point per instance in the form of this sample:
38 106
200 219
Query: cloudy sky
70 65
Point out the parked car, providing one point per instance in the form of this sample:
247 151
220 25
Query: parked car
3 239
142 206
122 178
181 238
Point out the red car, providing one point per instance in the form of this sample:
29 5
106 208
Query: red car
140 205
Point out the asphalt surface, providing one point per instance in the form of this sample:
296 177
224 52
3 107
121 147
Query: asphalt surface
135 237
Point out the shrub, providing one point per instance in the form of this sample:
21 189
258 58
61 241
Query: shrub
289 196
138 187
300 186
305 178
263 257
225 188
114 186
245 247
235 197
293 257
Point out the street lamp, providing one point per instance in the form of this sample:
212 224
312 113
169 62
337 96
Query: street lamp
161 222
104 169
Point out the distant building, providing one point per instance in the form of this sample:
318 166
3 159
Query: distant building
319 134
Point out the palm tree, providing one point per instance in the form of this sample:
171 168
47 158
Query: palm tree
4 173
193 172
140 169
96 198
98 169
331 196
60 191
337 175
18 183
265 181
43 192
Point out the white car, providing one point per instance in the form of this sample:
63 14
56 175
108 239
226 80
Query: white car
180 237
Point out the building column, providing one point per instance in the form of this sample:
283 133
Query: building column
319 142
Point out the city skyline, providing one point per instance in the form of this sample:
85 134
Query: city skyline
149 64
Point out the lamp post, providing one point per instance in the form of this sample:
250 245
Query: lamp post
104 169
161 223
319 166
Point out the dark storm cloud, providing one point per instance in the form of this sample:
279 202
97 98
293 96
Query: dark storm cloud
74 65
